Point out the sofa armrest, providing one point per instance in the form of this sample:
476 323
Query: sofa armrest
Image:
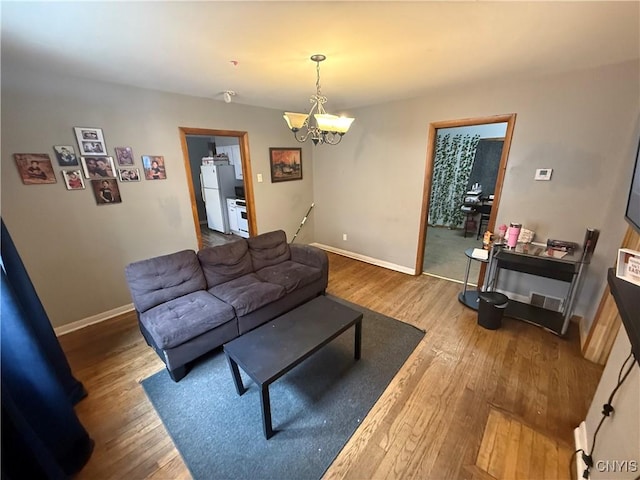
310 255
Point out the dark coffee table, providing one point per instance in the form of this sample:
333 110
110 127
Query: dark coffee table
271 350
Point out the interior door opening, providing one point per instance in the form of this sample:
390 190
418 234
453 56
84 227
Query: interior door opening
225 180
444 234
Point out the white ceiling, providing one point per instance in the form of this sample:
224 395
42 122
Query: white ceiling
376 51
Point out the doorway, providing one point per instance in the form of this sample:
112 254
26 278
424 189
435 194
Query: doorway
430 237
193 181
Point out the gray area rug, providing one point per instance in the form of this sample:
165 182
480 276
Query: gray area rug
316 407
444 254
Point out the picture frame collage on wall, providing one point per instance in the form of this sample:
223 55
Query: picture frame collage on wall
93 164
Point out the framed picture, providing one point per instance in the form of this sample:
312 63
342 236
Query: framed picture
153 167
73 179
286 164
98 167
124 155
628 265
106 191
90 141
35 168
129 174
66 155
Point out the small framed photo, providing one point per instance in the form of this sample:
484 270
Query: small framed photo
154 167
90 141
129 174
286 164
124 155
35 168
98 167
628 265
73 179
66 155
106 191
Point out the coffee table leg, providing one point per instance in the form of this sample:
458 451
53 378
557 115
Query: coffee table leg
358 340
235 373
266 412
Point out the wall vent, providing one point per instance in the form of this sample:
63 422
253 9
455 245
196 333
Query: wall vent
544 301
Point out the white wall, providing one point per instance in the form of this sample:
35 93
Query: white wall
581 124
76 251
619 436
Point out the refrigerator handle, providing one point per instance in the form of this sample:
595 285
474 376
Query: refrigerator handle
202 189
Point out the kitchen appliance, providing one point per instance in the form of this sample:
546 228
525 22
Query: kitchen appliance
233 215
216 184
238 222
240 192
243 222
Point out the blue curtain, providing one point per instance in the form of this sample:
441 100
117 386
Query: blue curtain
41 435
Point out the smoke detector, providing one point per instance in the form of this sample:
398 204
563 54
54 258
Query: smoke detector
228 94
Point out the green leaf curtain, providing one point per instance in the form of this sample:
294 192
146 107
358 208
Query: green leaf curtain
452 167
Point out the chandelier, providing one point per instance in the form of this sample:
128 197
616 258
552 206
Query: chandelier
320 126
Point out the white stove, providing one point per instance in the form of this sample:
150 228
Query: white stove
243 222
238 222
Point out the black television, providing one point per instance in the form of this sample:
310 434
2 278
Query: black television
632 214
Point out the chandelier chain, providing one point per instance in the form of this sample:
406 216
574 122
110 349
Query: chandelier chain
318 78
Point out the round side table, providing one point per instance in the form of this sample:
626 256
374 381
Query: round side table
469 298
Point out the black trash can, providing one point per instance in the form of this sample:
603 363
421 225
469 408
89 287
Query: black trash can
491 309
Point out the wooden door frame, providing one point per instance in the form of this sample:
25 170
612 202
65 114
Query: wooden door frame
247 177
510 120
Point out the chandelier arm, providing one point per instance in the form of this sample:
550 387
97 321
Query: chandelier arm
301 137
333 138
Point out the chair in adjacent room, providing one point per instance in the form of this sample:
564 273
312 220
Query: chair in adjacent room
484 222
470 221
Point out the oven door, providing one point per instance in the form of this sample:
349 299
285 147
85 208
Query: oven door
243 222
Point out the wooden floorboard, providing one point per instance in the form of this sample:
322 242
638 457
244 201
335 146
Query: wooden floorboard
512 450
429 423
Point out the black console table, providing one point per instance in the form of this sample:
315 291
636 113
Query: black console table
532 259
627 298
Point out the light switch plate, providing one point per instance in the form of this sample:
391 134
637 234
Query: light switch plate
543 174
259 178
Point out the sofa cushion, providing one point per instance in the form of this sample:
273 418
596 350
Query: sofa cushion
223 263
291 275
248 293
184 318
161 279
268 249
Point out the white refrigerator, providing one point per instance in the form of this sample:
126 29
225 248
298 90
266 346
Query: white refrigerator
217 184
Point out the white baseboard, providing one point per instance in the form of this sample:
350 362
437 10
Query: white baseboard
365 259
85 322
580 438
514 296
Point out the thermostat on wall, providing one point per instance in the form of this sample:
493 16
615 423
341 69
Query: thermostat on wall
543 174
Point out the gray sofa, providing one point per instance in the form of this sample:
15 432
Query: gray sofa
189 303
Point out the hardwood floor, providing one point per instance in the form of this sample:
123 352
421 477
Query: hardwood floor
430 422
211 238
